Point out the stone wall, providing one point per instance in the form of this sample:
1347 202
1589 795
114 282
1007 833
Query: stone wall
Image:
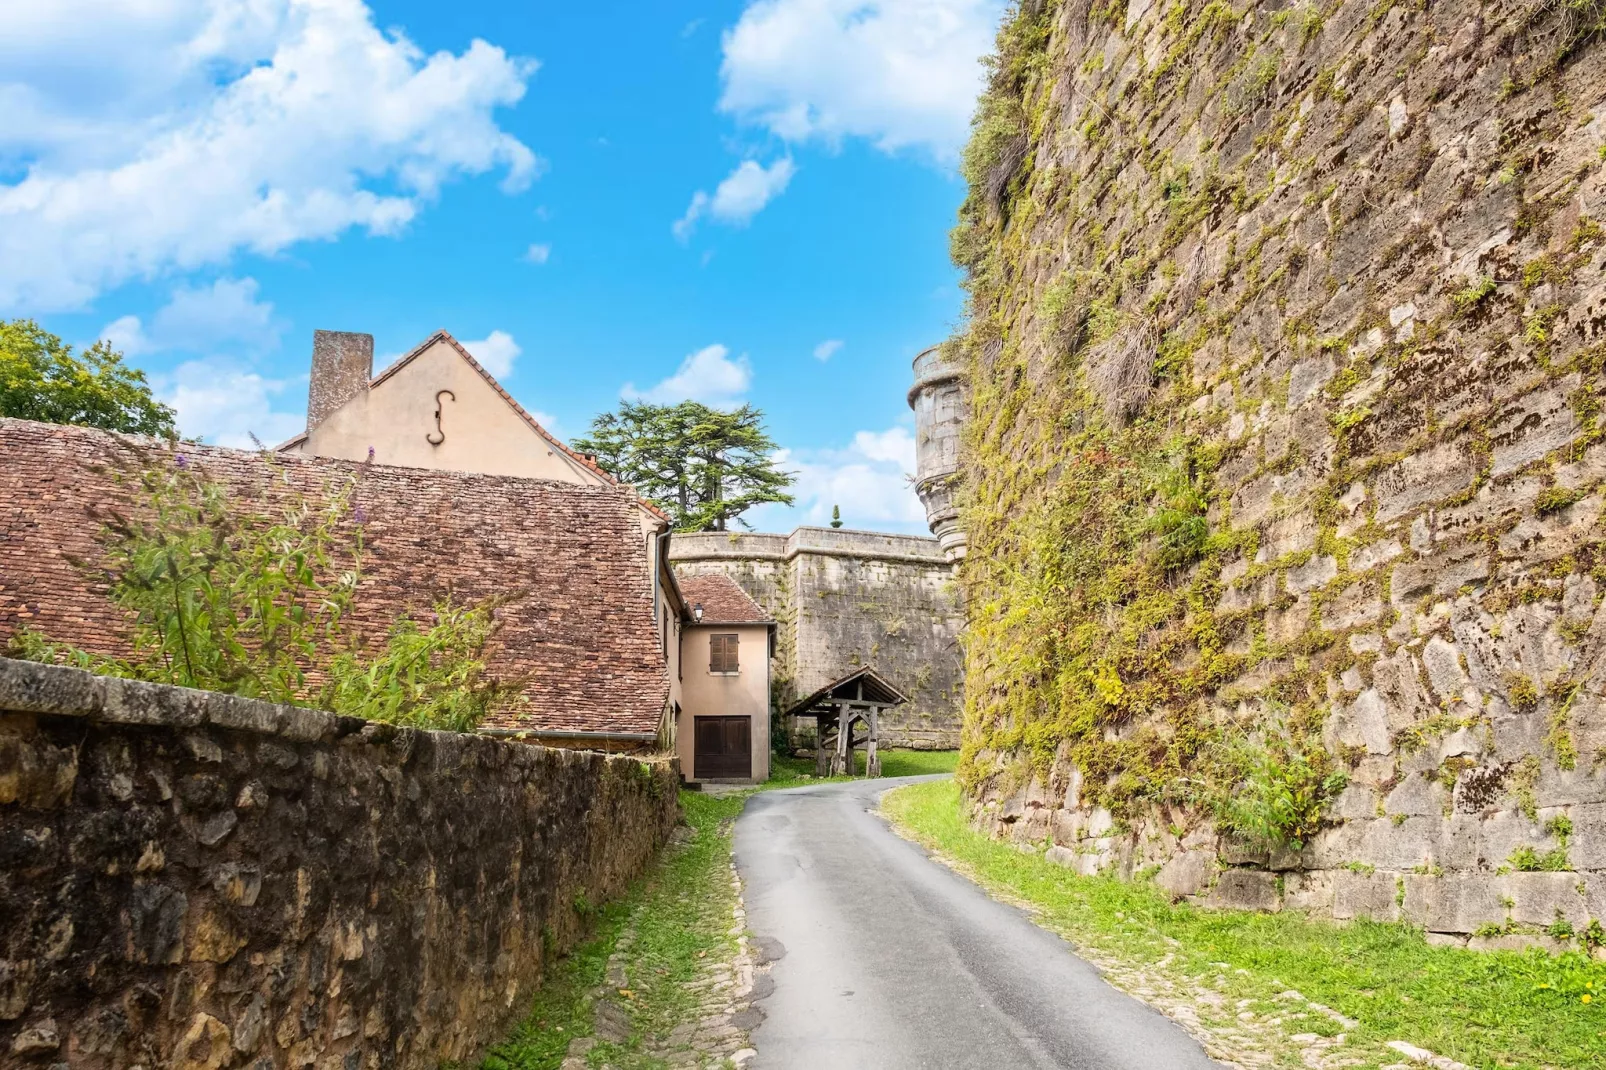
844 599
193 880
1285 346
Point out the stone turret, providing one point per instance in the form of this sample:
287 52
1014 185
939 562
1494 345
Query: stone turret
938 399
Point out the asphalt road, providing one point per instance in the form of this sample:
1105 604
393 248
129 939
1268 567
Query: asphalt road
886 960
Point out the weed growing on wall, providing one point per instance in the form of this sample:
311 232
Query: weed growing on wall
223 597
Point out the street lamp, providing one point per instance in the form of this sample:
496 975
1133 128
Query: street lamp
697 613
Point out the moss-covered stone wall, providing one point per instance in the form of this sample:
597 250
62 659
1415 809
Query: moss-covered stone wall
1285 467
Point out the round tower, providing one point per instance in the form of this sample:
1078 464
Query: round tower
938 399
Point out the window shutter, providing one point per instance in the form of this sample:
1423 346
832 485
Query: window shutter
722 653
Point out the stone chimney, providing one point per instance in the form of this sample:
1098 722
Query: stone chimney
342 364
938 399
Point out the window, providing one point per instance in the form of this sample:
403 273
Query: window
722 653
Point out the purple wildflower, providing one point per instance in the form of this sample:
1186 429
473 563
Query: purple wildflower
182 461
360 515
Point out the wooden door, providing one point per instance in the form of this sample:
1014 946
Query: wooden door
723 748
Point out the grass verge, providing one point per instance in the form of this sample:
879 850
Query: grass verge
787 772
1486 1009
681 914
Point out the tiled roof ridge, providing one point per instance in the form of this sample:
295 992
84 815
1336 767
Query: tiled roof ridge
723 600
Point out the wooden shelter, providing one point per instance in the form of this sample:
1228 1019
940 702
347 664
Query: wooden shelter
850 704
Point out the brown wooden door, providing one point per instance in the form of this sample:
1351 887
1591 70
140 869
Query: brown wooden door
723 748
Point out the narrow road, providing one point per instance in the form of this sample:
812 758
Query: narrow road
886 960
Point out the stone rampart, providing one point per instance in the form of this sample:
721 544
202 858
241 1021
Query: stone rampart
192 880
844 599
1285 350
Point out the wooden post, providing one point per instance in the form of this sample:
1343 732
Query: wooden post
844 739
822 757
872 762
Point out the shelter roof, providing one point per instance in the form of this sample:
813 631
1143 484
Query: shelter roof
862 685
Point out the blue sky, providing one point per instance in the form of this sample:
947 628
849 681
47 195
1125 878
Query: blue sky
739 201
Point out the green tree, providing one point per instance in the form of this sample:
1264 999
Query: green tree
42 379
703 466
836 516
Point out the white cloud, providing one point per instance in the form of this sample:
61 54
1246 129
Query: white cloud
869 480
161 135
827 349
741 196
126 335
497 352
901 73
224 403
197 318
708 375
539 253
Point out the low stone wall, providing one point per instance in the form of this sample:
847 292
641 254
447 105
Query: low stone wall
194 880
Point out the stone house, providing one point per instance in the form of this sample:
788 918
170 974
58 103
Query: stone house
724 677
582 633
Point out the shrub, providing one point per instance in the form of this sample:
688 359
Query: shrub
223 598
1280 787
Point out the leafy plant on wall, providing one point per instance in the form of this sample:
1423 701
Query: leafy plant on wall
223 597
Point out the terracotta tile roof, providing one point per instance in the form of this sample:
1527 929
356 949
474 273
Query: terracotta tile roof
722 600
581 633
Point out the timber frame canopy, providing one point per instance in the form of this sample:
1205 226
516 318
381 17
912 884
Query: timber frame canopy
846 705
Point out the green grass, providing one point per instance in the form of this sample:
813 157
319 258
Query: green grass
682 911
1486 1009
788 772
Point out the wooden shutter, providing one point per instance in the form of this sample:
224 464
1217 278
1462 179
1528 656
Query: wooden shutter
722 655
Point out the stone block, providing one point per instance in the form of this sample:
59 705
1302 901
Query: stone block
1310 891
1588 847
1363 723
1365 895
1287 624
134 702
1062 856
1503 832
1307 378
1256 500
1290 535
1445 573
1402 845
29 687
1186 873
1518 942
1421 479
1245 889
1528 427
1418 796
1316 572
1354 606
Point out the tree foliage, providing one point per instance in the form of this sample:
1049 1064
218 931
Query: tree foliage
41 378
222 598
703 466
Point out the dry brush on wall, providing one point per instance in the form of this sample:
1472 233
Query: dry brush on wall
1285 471
196 880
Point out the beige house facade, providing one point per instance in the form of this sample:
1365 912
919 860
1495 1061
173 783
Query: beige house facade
438 408
723 715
